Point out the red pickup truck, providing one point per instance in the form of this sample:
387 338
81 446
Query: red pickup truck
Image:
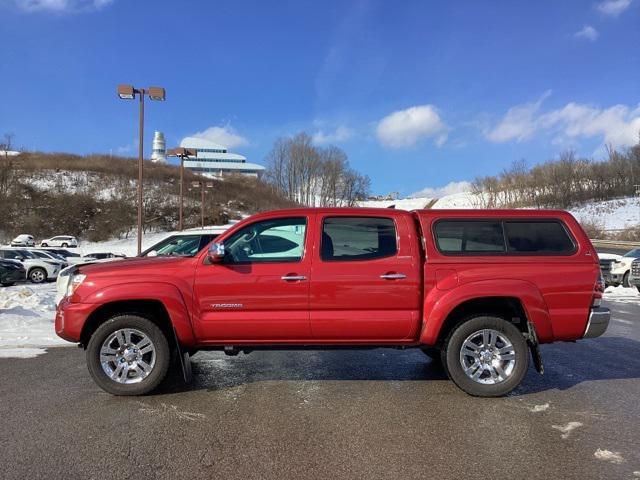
475 289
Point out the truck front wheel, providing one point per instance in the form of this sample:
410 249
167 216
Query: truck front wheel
128 355
486 356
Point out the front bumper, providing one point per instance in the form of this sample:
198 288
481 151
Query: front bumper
599 318
70 318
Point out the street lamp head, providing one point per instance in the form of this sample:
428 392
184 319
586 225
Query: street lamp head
157 93
126 92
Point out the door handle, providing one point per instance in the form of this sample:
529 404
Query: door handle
393 276
293 278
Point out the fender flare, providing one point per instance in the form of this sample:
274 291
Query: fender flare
166 293
439 304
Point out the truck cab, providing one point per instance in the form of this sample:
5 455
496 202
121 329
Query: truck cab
475 289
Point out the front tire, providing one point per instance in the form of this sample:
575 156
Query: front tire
65 245
128 355
625 280
44 245
38 275
486 356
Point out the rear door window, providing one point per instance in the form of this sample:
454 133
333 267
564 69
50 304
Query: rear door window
357 238
538 237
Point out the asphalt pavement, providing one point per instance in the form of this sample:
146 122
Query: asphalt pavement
330 414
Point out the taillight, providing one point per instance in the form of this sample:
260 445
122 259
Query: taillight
598 290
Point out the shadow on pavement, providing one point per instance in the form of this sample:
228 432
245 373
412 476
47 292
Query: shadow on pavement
566 365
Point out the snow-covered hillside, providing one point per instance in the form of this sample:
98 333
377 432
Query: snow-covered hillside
610 214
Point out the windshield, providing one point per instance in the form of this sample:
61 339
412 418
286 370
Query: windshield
183 245
635 253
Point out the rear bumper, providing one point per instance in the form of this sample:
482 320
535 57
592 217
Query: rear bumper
599 318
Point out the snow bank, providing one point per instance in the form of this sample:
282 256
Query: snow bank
26 320
621 294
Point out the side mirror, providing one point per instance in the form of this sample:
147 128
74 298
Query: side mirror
20 258
216 252
152 253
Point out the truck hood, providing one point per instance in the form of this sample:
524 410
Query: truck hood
133 264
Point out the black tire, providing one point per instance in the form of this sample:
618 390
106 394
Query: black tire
8 284
65 245
625 280
37 275
433 353
44 245
464 330
162 352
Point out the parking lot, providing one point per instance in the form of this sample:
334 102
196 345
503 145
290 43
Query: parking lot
330 414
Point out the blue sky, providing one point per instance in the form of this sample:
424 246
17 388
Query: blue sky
419 94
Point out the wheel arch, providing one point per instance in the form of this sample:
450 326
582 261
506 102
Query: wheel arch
510 299
151 309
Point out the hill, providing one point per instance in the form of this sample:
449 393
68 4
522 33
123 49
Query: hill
94 197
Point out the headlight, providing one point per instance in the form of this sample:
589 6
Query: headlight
74 282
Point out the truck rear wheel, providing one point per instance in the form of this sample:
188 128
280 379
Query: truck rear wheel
486 356
128 355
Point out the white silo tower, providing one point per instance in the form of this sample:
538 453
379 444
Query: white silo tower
159 148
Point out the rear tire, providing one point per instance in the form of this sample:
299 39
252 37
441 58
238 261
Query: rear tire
486 356
65 245
116 363
38 275
44 245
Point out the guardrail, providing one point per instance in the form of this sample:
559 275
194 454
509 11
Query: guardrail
615 243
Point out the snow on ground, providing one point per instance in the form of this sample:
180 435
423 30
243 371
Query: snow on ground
622 295
26 320
611 214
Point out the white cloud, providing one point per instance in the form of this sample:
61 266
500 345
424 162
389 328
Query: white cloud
618 125
439 192
518 123
61 6
613 7
340 134
405 128
587 33
225 136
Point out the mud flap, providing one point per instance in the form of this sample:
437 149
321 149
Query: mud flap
184 359
534 346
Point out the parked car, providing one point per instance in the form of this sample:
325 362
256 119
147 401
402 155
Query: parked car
634 274
63 241
49 256
477 288
23 240
103 256
11 271
62 252
621 268
39 270
606 261
184 243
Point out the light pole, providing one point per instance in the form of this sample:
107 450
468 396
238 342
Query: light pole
129 92
181 153
201 184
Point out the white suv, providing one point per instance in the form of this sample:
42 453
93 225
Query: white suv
621 268
63 241
39 270
23 240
